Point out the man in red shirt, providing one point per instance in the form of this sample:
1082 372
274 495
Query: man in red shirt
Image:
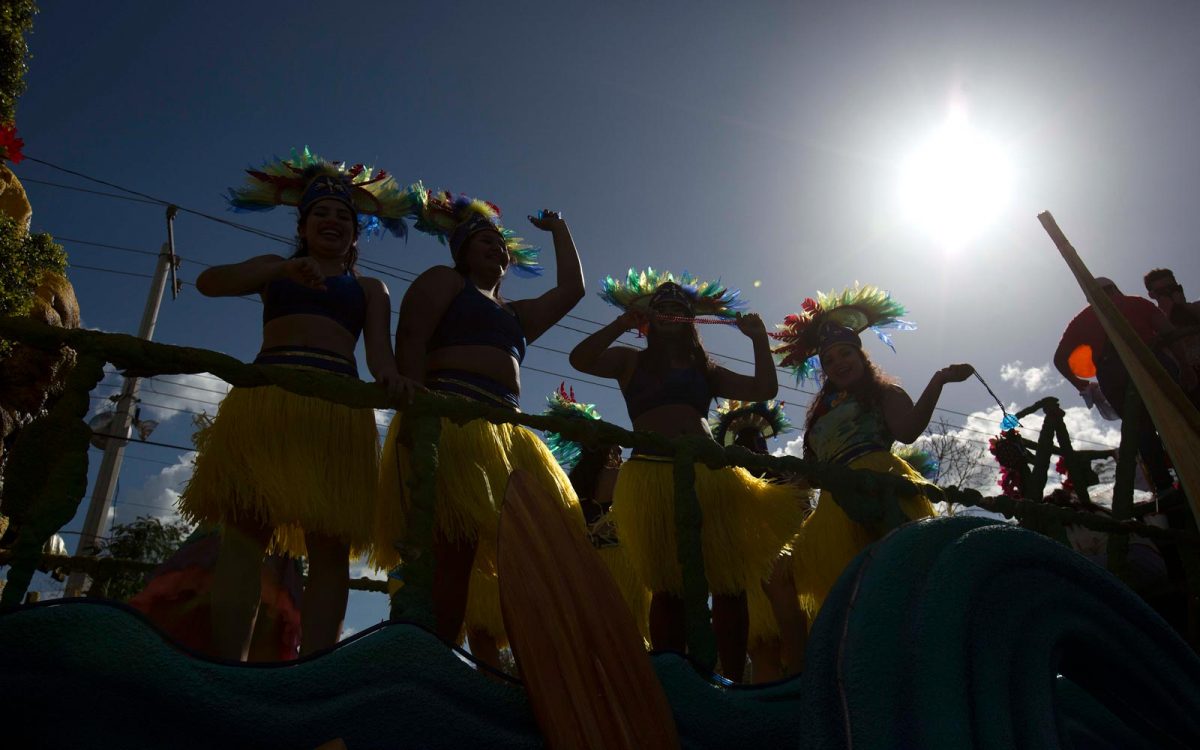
1084 351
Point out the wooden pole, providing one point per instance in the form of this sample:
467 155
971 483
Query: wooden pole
1173 414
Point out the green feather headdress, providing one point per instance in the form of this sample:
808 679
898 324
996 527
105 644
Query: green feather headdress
562 403
731 417
921 460
856 308
453 218
635 290
376 197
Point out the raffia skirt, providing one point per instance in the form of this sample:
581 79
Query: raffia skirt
829 539
290 463
474 462
747 523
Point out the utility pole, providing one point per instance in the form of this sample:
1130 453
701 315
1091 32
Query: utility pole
114 451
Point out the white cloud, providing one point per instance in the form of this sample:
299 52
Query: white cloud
164 397
1032 379
158 495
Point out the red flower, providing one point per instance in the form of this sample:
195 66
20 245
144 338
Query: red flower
11 144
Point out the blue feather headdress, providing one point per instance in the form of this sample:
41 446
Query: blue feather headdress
374 195
562 403
731 417
638 288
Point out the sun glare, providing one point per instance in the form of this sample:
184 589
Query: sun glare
956 183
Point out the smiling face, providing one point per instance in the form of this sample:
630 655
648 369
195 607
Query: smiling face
844 365
329 229
485 252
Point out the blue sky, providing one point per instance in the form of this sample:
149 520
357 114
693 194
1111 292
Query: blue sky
754 141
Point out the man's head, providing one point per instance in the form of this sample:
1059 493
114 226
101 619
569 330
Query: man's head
1107 285
1163 288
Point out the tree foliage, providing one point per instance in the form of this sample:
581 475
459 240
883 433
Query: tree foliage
24 257
147 539
16 18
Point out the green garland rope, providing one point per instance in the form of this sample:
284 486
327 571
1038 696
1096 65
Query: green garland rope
51 501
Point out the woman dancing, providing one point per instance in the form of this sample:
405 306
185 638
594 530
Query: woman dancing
778 628
460 336
668 389
593 470
853 420
292 473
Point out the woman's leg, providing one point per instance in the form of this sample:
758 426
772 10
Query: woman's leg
237 588
780 588
766 660
667 632
484 649
324 605
731 626
453 560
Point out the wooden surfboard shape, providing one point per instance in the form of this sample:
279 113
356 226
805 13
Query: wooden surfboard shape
589 679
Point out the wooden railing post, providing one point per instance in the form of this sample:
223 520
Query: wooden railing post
422 428
690 551
1122 501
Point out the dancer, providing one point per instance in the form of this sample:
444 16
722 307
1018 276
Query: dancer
593 472
290 473
668 389
853 420
778 628
459 336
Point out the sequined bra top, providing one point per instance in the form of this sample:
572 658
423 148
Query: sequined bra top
846 430
343 301
678 385
474 318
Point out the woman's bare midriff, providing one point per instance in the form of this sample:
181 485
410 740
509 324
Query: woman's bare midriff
488 361
314 331
672 420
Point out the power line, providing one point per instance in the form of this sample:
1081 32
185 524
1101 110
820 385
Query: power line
85 190
160 201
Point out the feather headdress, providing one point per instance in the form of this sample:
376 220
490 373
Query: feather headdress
921 460
305 178
454 218
731 417
562 403
835 317
638 287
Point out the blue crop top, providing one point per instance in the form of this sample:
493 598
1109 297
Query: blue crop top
343 301
679 385
474 318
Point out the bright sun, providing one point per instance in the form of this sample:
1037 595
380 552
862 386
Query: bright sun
956 183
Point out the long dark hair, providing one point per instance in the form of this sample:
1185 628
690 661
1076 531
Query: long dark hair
657 355
868 392
301 250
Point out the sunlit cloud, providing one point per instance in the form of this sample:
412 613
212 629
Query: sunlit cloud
1032 379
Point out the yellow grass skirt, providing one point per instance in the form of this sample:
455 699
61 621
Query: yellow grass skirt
636 595
474 461
764 628
829 540
292 463
747 523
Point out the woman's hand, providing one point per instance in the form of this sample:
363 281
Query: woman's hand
305 272
955 373
548 221
751 325
632 319
399 388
